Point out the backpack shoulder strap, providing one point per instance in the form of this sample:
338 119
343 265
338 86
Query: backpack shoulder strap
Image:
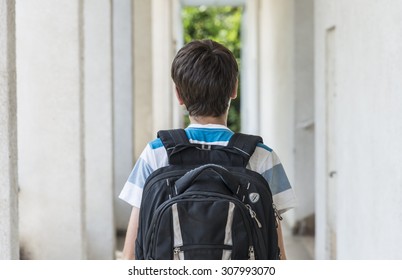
174 141
245 144
173 137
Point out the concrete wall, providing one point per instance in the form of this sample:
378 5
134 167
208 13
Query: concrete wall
65 126
9 239
358 111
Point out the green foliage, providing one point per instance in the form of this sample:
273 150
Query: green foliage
221 24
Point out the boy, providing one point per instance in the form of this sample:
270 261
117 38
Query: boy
205 74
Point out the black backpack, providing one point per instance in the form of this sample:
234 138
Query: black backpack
206 205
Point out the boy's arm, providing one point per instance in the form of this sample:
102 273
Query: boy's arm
131 235
280 241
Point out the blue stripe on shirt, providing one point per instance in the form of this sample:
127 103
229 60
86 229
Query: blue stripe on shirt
265 147
277 179
205 135
155 144
140 173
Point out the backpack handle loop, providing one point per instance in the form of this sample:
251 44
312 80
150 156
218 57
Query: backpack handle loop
227 178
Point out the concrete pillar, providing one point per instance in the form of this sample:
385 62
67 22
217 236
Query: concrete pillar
154 46
276 83
50 65
178 42
163 51
304 107
9 239
123 104
325 21
142 65
250 75
98 128
276 79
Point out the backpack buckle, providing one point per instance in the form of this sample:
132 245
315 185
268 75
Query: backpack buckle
205 147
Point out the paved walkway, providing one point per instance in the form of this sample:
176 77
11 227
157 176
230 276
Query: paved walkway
297 247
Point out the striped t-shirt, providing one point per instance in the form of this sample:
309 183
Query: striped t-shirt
264 161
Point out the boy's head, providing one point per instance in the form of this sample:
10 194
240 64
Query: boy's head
205 74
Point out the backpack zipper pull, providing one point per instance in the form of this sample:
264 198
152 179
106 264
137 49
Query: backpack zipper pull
253 215
176 253
251 254
277 213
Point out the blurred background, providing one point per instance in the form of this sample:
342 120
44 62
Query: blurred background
85 84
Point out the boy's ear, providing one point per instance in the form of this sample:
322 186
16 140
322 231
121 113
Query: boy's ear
234 93
179 99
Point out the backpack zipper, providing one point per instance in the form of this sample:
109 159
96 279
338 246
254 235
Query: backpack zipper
253 215
176 253
179 249
251 254
277 215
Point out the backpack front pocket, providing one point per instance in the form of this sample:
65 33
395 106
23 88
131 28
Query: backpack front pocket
202 227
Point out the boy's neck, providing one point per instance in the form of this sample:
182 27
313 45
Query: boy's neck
222 120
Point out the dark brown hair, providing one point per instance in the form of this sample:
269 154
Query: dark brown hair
205 73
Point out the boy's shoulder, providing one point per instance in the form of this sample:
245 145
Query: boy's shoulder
265 147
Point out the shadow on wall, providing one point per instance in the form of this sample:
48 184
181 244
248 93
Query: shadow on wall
24 253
